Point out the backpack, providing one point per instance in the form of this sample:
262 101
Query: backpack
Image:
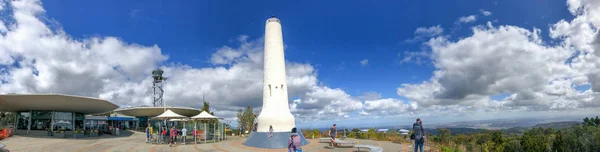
294 146
413 136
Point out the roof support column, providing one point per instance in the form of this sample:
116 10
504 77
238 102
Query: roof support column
29 121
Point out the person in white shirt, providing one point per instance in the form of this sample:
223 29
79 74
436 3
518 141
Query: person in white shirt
183 133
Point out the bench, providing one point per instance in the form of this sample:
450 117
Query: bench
370 147
324 139
340 142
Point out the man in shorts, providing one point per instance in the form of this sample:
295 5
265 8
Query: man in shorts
332 132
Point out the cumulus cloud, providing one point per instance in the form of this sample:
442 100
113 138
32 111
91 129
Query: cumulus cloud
35 58
467 19
389 106
485 13
370 96
423 33
512 60
429 32
419 58
535 76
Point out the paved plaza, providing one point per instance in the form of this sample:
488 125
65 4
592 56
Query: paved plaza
135 143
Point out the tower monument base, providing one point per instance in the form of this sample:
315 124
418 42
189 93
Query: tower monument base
278 140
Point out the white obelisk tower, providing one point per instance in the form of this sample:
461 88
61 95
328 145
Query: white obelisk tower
275 110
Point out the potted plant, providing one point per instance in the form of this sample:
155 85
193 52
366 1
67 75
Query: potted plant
78 134
94 133
50 133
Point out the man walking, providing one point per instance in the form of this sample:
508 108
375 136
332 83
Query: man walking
332 132
148 133
183 134
419 134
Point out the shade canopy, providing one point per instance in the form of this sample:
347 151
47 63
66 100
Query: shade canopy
155 111
180 119
168 115
204 115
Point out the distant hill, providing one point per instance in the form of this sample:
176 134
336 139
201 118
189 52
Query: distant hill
455 131
510 127
557 125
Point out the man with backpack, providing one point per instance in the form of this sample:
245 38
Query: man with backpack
294 142
418 135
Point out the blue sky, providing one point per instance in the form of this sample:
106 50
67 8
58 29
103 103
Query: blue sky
334 36
439 60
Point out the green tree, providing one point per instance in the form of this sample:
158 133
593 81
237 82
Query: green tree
206 107
241 120
559 144
316 133
249 117
371 134
7 118
513 145
444 136
497 138
246 118
588 122
535 140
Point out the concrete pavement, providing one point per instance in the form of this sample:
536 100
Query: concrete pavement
136 143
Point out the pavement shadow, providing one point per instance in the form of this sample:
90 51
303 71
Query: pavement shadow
126 133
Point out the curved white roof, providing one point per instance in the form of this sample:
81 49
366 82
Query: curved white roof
204 115
155 111
56 102
168 115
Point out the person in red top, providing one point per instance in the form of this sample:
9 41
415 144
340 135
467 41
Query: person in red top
164 135
173 134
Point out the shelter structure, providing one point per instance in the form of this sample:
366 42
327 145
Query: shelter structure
218 132
143 114
56 115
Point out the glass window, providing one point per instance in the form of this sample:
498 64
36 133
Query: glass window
79 121
63 121
41 120
91 125
102 125
23 120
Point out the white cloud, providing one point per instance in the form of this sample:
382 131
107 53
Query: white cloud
35 58
389 106
429 32
516 61
38 59
486 13
418 58
467 19
364 62
370 96
423 33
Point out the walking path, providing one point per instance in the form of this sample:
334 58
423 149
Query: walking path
135 143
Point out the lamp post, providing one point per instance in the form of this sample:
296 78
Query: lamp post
344 137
